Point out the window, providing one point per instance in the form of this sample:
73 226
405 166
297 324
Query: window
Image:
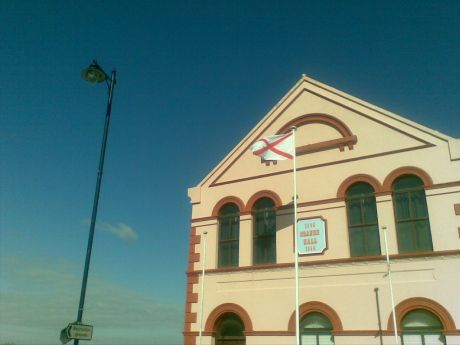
421 327
363 229
229 233
230 330
264 233
411 215
316 329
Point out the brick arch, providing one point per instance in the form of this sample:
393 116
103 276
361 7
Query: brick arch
408 170
422 303
227 200
228 308
347 138
358 178
320 307
263 194
328 120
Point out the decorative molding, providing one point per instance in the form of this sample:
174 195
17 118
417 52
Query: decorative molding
407 170
349 160
348 182
351 260
222 309
227 200
319 307
422 303
263 194
348 138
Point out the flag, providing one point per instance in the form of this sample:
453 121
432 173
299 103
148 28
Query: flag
275 147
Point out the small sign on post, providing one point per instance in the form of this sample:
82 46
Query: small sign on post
311 236
76 330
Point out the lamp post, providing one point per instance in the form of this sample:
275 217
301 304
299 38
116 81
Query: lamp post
95 74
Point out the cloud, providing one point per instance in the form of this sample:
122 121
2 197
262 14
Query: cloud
121 230
42 298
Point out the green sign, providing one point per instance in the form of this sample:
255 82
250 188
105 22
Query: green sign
311 236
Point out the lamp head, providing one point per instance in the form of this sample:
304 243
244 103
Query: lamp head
94 73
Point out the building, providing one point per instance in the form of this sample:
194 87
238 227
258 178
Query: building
360 168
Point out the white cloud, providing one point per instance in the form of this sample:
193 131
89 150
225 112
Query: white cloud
121 230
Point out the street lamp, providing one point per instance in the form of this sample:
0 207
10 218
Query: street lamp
95 74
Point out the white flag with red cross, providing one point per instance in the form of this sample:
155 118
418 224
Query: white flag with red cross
275 147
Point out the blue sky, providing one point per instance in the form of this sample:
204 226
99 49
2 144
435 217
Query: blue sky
193 78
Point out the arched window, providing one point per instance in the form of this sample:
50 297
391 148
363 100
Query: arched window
229 234
316 329
421 327
264 233
363 228
230 330
411 215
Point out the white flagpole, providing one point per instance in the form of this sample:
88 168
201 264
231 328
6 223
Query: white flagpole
384 228
296 259
203 265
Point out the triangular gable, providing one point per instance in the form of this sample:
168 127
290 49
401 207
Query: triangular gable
332 128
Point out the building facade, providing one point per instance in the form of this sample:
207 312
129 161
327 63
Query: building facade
360 169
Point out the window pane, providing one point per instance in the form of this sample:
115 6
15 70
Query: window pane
401 201
369 211
423 235
223 255
354 212
372 240
421 319
309 339
434 339
264 233
234 254
418 203
357 242
224 229
360 188
405 237
407 182
412 339
326 339
235 228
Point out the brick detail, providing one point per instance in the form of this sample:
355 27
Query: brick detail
194 257
189 340
192 280
457 209
190 317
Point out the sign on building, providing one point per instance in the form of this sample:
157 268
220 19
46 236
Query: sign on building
311 236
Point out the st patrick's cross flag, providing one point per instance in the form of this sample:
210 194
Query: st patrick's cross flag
275 147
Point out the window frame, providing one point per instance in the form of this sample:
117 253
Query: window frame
412 221
362 225
269 237
228 243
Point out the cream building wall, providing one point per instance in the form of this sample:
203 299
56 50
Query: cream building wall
379 147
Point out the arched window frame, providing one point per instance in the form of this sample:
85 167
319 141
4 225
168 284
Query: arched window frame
362 233
238 338
422 335
229 233
320 335
264 231
409 218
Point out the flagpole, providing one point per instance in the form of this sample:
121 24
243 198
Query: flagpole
296 258
203 265
390 283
